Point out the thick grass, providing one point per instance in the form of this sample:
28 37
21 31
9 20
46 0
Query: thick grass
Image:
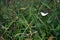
21 20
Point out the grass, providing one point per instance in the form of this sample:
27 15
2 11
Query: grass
21 20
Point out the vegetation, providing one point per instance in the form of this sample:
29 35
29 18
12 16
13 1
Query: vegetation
22 20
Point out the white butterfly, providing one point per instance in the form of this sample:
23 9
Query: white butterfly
43 14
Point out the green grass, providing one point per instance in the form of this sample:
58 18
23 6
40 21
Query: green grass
21 20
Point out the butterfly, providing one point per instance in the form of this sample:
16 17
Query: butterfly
43 14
